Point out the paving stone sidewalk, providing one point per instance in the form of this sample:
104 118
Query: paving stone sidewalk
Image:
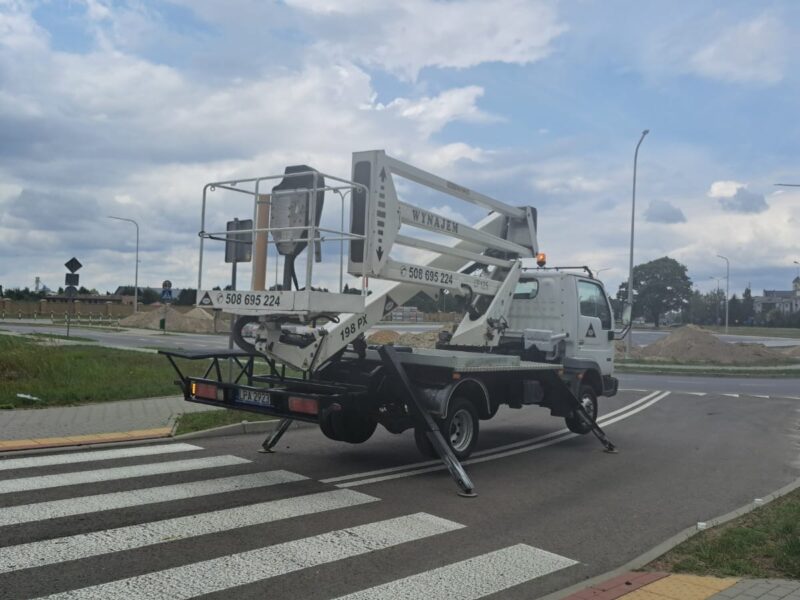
665 586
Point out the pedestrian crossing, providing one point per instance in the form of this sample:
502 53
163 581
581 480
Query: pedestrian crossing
78 556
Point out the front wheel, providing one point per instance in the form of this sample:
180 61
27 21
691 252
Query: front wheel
576 422
459 429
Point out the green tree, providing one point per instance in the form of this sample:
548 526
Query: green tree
659 286
187 297
748 311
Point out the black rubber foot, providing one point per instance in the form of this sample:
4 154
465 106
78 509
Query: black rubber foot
468 494
266 451
611 451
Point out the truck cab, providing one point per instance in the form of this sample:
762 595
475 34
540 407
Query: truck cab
564 317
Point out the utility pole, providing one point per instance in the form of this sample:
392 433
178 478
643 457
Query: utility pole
136 272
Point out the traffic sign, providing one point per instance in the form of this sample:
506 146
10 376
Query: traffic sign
71 291
71 279
239 246
73 264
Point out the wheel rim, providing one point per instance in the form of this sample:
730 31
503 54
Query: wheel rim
588 405
461 429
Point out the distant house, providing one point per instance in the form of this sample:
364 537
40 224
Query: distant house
166 295
785 301
86 298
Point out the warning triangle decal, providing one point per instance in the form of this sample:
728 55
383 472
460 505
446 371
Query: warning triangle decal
590 331
205 300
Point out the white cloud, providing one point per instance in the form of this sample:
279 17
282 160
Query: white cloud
735 197
405 37
753 51
724 189
662 211
431 114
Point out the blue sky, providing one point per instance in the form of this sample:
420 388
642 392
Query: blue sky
130 107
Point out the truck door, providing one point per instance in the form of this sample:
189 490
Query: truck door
594 325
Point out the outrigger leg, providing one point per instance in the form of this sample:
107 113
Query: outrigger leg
389 357
275 436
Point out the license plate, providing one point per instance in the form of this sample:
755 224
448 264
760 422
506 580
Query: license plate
255 397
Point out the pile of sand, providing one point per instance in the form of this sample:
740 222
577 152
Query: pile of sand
383 336
196 320
693 344
420 340
427 339
790 351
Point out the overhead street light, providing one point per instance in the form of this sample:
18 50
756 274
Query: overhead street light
716 301
136 272
633 215
727 286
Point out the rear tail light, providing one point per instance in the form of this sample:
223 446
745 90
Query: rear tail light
303 405
207 391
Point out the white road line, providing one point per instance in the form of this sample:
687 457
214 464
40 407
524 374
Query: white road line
527 442
27 484
68 458
48 552
495 456
471 579
731 395
233 570
765 397
28 513
695 393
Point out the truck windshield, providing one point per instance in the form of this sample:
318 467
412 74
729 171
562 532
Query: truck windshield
526 290
593 303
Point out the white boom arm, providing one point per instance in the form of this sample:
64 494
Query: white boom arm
482 263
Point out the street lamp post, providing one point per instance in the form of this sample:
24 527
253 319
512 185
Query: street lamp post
633 215
727 287
136 272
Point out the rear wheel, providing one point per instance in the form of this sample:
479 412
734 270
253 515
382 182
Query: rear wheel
352 428
576 423
459 429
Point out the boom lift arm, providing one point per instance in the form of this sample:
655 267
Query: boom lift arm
482 262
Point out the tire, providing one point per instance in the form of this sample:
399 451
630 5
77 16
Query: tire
459 428
348 427
576 423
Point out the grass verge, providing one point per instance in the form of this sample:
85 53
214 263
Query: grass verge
56 336
70 375
199 421
709 371
763 543
774 332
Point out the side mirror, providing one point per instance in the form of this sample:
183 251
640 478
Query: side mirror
626 315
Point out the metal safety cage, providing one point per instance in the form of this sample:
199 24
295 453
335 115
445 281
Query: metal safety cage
286 219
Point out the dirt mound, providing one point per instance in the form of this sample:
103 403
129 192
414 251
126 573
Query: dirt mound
383 336
199 313
196 320
427 339
419 340
693 344
790 351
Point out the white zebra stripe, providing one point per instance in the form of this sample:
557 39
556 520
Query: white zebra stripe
68 458
48 552
53 509
471 579
180 583
27 484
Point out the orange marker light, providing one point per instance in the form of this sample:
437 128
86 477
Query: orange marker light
541 259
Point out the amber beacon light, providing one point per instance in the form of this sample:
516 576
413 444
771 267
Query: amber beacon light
541 259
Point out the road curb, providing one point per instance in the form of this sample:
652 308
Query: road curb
649 556
85 440
240 428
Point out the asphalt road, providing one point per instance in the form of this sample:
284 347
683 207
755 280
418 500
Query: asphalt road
787 387
142 338
320 519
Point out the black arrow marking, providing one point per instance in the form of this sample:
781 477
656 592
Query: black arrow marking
383 174
379 252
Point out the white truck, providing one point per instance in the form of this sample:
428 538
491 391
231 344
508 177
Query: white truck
530 336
